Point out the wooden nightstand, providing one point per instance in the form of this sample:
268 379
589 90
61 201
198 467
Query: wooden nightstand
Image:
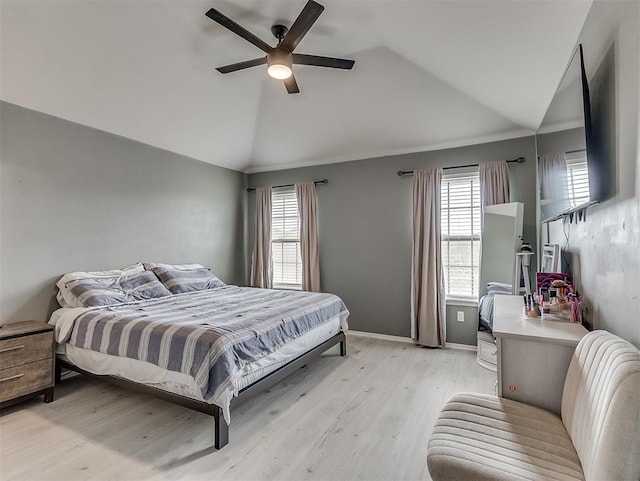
26 362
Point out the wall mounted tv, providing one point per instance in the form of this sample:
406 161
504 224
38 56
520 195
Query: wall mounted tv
571 179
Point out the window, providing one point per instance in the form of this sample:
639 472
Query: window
460 210
577 177
285 239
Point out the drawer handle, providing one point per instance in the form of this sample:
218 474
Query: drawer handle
11 378
12 348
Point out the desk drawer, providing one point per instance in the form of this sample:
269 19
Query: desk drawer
25 379
24 349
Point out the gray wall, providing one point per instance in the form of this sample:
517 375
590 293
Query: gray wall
364 217
604 250
462 332
76 198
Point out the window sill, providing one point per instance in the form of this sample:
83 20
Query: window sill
287 288
462 302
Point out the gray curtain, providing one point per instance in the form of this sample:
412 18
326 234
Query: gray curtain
306 196
494 183
552 170
261 269
427 283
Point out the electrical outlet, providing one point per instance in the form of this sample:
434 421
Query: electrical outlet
460 316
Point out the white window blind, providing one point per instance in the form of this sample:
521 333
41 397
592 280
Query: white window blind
285 239
577 177
460 210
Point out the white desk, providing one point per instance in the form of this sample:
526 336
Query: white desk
533 354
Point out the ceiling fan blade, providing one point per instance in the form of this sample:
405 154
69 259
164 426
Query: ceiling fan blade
242 65
226 22
302 59
301 26
292 85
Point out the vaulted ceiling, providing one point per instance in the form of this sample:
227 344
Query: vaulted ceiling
428 74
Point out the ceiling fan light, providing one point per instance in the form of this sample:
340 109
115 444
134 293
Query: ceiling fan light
279 71
279 64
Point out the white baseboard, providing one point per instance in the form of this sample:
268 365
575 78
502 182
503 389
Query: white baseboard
408 340
384 337
462 347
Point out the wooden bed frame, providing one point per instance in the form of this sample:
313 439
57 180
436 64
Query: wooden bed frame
221 428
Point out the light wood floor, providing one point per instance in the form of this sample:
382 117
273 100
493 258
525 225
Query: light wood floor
367 416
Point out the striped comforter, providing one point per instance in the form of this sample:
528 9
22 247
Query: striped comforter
209 334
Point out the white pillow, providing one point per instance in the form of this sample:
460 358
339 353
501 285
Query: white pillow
149 266
66 298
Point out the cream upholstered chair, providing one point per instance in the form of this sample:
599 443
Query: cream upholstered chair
479 437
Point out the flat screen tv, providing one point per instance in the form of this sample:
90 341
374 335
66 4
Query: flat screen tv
572 176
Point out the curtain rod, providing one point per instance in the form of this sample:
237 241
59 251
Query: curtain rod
323 181
519 160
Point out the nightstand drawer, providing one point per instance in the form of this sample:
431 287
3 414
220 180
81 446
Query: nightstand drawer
24 349
25 379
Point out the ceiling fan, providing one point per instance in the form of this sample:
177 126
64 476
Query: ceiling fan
280 59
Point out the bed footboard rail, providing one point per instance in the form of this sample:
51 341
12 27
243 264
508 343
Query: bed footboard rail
279 374
221 428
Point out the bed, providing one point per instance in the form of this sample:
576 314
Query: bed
485 305
207 348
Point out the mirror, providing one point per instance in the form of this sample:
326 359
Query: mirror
575 142
563 154
501 239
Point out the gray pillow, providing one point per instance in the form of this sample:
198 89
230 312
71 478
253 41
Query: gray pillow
179 281
116 290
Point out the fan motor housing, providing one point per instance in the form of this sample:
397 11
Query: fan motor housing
280 59
279 56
